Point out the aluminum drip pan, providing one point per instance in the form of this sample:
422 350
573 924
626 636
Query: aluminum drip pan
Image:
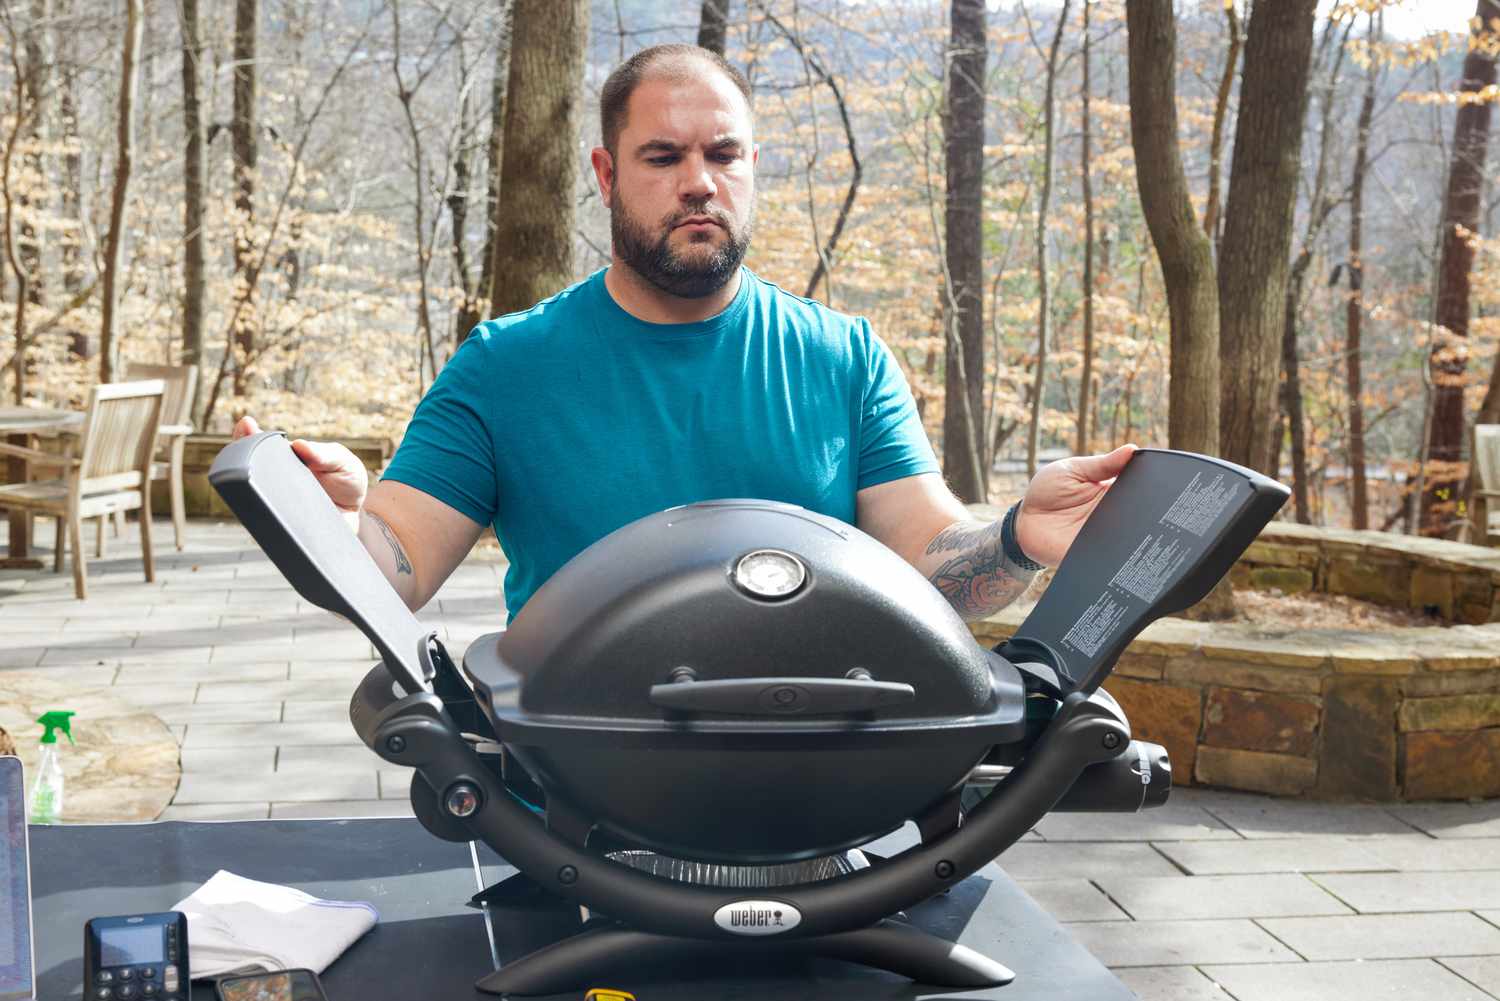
745 877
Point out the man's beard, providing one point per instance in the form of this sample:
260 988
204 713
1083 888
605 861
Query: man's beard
654 259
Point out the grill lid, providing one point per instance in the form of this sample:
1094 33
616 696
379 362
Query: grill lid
741 610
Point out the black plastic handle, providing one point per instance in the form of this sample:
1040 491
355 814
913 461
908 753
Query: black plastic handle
781 696
1163 535
288 513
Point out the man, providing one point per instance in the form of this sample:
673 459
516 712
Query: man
674 376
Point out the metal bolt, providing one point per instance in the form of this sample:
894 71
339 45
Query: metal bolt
858 674
682 675
1111 741
944 869
785 696
567 875
395 744
462 799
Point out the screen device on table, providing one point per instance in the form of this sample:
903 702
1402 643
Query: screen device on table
136 957
17 980
287 985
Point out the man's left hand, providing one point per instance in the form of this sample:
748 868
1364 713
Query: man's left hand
1060 499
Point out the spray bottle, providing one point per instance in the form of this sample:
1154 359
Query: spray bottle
46 805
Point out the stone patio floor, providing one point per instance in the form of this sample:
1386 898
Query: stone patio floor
1217 896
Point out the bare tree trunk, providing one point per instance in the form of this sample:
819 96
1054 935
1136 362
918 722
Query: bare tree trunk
194 285
1044 206
1221 113
1258 221
534 238
469 310
1460 213
36 81
1355 308
70 243
245 148
1322 207
495 153
109 349
18 125
713 25
963 246
1182 247
1084 444
405 94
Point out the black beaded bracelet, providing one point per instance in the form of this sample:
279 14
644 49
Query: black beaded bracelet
1011 545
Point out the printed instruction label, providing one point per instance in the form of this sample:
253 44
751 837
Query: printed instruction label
1095 626
1200 504
1151 567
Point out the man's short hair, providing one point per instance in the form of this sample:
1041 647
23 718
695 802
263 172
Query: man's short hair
670 61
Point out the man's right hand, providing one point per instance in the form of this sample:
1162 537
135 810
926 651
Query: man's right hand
338 470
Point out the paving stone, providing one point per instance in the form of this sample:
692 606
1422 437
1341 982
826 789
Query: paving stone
1220 858
1166 823
1072 900
1169 897
1061 860
197 787
1170 983
154 694
349 672
1178 943
1386 936
280 691
1398 892
1358 981
336 732
338 810
221 712
234 652
145 674
217 811
1483 971
244 760
395 783
1272 818
315 710
1452 820
311 760
1419 853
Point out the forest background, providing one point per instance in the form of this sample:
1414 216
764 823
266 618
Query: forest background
316 200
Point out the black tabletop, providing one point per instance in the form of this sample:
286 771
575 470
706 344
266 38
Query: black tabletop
429 945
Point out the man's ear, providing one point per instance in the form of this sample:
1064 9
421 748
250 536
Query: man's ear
604 172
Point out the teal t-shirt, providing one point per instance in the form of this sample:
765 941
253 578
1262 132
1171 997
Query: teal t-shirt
565 422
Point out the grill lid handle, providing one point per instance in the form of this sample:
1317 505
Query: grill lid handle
779 696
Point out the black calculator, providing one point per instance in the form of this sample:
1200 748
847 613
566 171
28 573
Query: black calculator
136 957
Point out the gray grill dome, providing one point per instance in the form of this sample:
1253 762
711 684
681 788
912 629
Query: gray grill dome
667 703
660 594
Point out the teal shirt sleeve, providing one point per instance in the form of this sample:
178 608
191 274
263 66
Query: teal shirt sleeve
892 442
448 451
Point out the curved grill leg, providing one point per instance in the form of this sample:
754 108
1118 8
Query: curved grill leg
585 959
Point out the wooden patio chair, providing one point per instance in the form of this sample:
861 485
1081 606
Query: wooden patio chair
1486 455
112 470
176 424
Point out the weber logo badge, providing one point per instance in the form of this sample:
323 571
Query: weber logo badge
757 917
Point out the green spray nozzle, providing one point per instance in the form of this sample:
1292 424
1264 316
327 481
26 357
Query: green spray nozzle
56 720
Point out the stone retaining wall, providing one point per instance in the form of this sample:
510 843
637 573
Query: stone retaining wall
1389 715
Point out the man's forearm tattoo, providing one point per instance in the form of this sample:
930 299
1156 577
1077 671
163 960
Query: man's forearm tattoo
978 579
403 565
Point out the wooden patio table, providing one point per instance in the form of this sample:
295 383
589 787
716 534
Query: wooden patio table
20 425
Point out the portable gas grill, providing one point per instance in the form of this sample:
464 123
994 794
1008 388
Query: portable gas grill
693 726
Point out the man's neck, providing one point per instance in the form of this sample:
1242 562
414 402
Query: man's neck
645 301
